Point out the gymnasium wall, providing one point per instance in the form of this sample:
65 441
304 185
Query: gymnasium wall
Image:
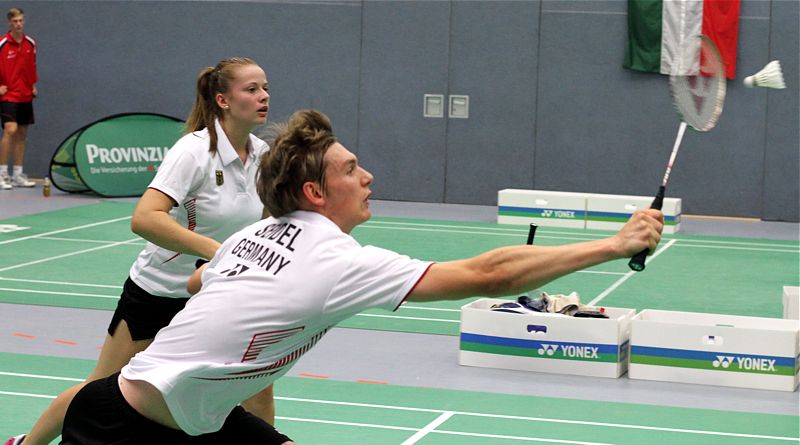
550 106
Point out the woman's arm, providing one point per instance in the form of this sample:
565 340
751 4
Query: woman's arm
151 220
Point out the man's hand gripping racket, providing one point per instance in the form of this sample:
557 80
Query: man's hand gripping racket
698 93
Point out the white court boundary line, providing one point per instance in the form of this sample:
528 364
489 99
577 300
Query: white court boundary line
496 231
428 428
408 318
540 419
81 240
77 252
477 414
411 227
69 229
586 236
734 245
625 277
48 292
60 283
467 232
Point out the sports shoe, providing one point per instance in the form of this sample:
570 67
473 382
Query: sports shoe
16 440
5 182
21 180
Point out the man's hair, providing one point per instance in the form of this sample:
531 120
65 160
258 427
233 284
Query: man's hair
296 157
13 12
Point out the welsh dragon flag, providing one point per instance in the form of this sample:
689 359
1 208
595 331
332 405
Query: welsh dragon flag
657 29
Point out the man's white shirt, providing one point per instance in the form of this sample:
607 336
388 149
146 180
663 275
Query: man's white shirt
270 293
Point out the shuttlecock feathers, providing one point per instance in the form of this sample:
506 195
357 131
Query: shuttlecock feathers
770 76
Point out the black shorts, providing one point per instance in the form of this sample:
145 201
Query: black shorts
19 112
99 414
144 313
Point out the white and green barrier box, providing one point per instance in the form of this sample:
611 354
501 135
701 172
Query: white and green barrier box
715 349
578 210
544 342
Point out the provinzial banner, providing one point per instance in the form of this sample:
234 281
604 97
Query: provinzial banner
115 156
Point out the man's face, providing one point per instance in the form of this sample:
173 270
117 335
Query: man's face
16 23
346 188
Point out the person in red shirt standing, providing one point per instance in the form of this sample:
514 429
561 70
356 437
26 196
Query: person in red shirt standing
17 90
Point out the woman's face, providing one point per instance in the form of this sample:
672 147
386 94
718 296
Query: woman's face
247 99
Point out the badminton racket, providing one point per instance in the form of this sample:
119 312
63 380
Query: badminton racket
697 85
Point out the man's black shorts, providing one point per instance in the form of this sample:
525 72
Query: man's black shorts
145 314
19 112
99 414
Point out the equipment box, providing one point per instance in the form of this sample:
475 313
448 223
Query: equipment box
544 342
610 212
713 349
791 302
545 208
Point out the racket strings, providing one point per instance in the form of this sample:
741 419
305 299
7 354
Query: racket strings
699 95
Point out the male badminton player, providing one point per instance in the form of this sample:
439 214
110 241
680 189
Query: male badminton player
276 287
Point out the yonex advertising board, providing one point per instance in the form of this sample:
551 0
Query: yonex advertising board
115 156
544 342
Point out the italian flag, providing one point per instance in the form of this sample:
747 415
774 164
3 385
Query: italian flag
658 29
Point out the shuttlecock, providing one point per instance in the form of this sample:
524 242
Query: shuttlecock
770 76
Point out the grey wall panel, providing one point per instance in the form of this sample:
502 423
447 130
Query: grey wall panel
782 161
102 58
493 60
721 172
600 128
605 129
551 106
404 56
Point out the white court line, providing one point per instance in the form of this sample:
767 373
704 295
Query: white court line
500 229
600 272
429 308
573 235
452 226
625 277
408 318
754 249
85 226
732 243
69 254
428 428
25 394
81 240
501 416
37 376
522 438
71 294
467 232
538 419
338 422
60 283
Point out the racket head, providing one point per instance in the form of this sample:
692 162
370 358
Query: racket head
698 84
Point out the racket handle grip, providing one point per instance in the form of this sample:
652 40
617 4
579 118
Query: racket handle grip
531 233
637 261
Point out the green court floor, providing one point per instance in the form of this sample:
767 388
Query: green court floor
79 257
318 411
